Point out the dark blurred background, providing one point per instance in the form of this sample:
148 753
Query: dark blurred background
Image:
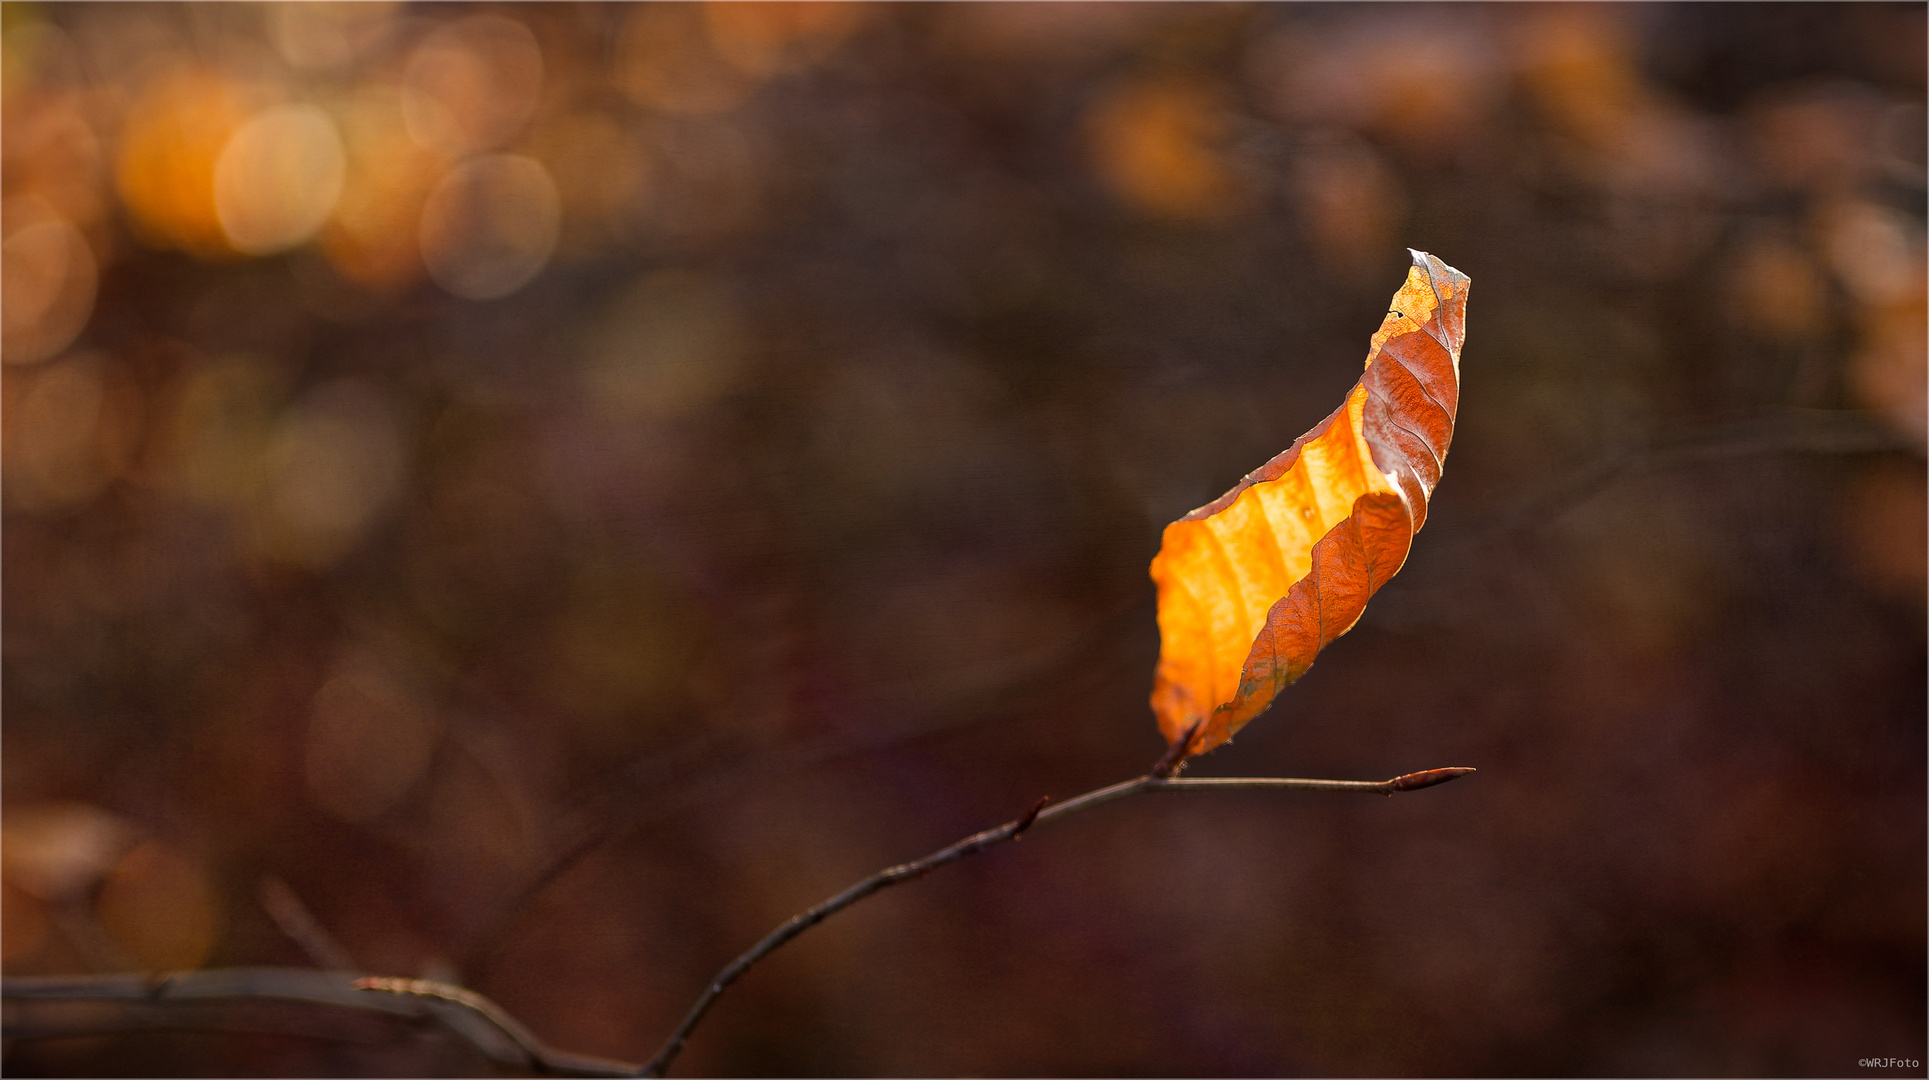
535 496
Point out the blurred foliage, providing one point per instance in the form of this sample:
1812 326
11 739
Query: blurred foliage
730 438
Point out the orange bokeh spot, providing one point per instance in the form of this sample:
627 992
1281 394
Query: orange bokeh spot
169 149
665 61
162 908
762 38
1157 145
372 238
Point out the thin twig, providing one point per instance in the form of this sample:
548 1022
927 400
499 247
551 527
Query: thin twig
59 1006
35 1005
284 906
1775 431
977 842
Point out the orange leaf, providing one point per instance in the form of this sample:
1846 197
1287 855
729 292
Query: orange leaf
1253 584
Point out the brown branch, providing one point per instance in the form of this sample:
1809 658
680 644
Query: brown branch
63 1006
973 844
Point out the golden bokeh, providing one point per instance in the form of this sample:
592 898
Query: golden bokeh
1160 146
278 179
1577 63
668 346
373 237
160 906
170 146
334 464
221 419
490 225
328 35
1775 288
58 851
472 84
55 159
72 427
1350 201
665 60
1428 86
604 179
48 277
762 38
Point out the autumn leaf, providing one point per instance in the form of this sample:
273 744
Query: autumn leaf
1253 584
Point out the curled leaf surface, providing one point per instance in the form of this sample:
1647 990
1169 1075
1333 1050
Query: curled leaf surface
1253 584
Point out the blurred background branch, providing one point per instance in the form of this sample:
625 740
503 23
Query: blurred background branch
289 1000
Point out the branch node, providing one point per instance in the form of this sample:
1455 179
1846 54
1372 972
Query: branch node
1031 815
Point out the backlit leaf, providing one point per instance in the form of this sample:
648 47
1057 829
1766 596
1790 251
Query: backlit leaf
1255 583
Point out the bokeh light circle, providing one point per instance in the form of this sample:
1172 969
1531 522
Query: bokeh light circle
278 179
490 225
472 85
48 275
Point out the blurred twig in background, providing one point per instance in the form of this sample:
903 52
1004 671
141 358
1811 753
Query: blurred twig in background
52 1007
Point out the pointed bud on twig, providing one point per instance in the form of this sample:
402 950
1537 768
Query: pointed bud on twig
1425 778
